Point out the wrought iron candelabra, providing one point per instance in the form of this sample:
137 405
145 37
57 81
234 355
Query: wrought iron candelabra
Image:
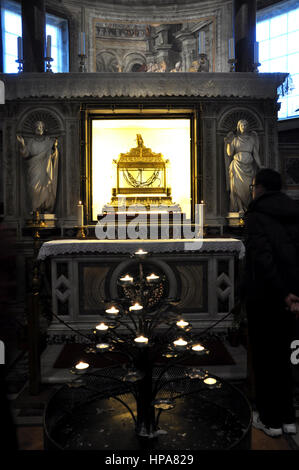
143 324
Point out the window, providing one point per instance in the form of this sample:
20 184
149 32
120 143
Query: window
278 39
56 27
12 28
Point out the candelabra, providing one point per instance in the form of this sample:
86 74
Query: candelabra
232 63
82 66
256 65
21 65
48 61
143 324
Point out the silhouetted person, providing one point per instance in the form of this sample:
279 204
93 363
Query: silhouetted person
272 289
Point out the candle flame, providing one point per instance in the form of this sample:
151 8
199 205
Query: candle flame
81 365
136 306
102 326
182 323
127 277
141 339
210 381
198 347
180 342
112 310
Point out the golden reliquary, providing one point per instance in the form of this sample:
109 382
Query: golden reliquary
141 178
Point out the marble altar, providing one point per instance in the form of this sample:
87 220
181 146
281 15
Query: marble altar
200 272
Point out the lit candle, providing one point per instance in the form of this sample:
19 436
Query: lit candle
102 346
231 48
210 381
126 279
182 323
82 43
180 343
80 214
152 277
112 310
136 307
198 348
82 19
81 365
256 53
48 54
102 327
201 218
202 45
140 252
141 340
20 48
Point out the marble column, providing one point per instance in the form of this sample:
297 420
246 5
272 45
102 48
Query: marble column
245 34
34 26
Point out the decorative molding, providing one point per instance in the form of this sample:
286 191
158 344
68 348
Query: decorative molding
142 85
229 119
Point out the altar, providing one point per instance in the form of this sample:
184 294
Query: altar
201 274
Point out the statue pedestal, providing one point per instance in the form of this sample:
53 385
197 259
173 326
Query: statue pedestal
48 219
233 218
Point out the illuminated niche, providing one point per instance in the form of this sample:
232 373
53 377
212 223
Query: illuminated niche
164 177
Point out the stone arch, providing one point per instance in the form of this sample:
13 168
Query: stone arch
133 59
229 119
107 61
53 123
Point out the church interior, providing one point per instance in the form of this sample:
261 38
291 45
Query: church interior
122 221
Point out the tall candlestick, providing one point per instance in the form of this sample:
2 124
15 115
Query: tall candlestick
20 48
80 214
201 218
231 48
82 43
83 19
48 53
256 53
202 44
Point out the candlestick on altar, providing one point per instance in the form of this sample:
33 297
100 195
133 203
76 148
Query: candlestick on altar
82 52
256 63
231 48
80 220
48 58
20 60
80 214
48 48
202 44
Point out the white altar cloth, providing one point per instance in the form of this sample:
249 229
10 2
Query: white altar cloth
75 247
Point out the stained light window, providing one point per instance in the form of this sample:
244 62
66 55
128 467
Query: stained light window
56 27
278 39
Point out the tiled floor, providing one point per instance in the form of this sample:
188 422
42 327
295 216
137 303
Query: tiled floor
28 412
31 438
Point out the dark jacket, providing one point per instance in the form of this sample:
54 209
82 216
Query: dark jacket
272 247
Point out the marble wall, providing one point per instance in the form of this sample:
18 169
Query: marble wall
128 34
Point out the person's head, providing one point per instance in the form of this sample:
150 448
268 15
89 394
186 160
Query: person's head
242 126
266 180
39 127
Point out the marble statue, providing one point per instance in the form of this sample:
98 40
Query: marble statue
177 67
41 154
241 162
